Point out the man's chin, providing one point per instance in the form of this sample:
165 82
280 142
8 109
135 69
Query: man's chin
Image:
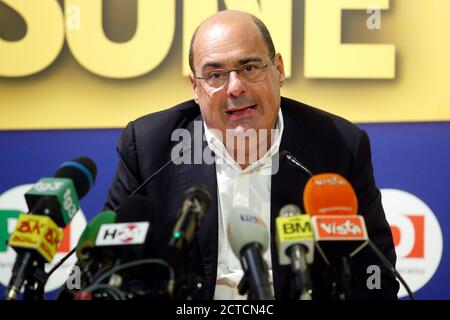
242 129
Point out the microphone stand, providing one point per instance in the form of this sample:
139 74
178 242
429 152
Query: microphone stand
344 277
258 287
35 283
189 285
28 272
301 278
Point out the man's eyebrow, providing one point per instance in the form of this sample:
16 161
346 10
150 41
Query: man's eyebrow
240 62
249 59
211 64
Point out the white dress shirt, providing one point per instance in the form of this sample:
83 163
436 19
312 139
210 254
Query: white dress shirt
237 187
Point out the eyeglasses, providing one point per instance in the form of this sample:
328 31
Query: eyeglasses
249 72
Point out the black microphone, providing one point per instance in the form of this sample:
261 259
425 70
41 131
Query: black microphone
293 161
136 208
136 191
124 240
127 238
196 202
249 239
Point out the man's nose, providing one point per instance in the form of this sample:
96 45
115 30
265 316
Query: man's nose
236 86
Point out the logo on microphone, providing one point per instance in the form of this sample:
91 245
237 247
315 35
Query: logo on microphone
42 186
114 234
339 228
251 218
329 181
417 237
38 233
12 204
127 234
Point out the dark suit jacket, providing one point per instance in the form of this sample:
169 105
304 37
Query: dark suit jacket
321 141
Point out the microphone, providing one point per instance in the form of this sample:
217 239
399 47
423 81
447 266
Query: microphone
118 239
126 238
88 259
291 160
86 242
52 202
295 244
332 202
133 211
58 196
339 232
196 202
161 169
136 191
249 239
329 193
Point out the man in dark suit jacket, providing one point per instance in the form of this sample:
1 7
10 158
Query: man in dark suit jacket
236 78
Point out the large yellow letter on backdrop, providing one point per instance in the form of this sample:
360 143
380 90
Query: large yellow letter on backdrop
143 53
326 57
194 12
42 42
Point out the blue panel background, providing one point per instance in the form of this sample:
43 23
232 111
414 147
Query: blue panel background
413 157
26 156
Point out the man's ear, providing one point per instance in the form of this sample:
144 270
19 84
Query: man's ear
279 65
194 86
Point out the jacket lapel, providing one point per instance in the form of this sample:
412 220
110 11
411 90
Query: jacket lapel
286 188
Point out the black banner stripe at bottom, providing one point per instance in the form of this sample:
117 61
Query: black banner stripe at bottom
222 309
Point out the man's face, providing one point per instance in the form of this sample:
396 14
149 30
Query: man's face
237 105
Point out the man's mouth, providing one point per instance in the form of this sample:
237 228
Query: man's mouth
241 110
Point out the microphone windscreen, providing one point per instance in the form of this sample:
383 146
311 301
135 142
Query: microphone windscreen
82 171
89 235
329 194
200 193
134 209
290 210
245 227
